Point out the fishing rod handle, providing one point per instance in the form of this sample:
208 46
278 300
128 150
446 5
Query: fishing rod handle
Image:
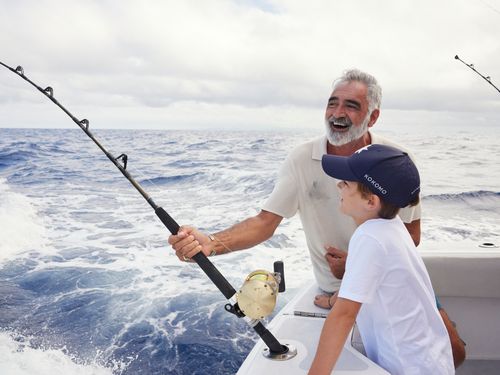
167 220
272 343
206 265
213 273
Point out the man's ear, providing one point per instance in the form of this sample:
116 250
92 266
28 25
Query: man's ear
373 117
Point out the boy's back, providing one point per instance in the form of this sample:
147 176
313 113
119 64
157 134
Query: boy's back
398 321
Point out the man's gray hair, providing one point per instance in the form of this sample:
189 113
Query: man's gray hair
374 94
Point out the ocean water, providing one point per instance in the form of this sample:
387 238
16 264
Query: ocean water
88 283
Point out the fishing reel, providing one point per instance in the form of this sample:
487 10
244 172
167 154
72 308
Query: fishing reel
257 296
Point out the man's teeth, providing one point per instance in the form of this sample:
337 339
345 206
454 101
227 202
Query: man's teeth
341 125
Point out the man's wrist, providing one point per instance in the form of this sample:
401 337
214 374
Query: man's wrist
213 242
218 245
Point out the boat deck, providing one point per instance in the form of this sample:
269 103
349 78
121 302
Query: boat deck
299 324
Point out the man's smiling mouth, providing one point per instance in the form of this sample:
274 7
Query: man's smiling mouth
339 125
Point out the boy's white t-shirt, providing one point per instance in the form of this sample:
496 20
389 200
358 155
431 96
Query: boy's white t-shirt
398 321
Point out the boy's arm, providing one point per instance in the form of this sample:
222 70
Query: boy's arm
337 326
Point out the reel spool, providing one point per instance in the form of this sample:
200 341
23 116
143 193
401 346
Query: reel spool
257 297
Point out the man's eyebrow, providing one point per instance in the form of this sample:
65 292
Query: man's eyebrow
354 102
348 101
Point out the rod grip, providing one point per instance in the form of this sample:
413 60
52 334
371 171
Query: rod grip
167 220
207 266
213 274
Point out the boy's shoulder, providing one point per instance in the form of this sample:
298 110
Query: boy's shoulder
380 223
382 230
389 234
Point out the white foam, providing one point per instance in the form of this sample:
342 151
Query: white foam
21 227
18 359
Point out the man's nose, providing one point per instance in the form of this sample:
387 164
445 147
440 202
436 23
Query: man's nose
337 111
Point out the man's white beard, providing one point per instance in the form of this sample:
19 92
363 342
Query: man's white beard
342 138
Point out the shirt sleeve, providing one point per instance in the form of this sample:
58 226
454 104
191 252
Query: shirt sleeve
409 214
364 269
284 200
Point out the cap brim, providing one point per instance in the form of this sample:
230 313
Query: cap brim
338 167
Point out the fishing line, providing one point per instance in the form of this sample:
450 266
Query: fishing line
471 66
203 262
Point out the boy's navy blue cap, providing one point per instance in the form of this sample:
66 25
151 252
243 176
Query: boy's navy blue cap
386 171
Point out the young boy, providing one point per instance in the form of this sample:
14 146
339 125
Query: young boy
386 288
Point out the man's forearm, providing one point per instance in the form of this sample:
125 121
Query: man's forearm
414 230
248 233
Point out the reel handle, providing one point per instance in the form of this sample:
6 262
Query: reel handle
279 267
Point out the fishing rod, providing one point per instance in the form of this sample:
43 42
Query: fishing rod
471 66
120 162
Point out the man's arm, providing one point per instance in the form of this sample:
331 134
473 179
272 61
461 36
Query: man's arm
457 344
414 230
337 326
243 235
248 233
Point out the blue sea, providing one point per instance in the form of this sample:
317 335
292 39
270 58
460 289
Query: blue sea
88 283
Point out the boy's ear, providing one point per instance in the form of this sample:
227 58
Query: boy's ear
373 202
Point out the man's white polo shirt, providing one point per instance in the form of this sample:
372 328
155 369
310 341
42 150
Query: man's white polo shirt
303 186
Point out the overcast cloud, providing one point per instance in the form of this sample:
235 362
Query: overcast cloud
245 64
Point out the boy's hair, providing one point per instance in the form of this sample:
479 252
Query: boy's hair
387 210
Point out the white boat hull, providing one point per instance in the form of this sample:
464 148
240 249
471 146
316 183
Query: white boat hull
467 282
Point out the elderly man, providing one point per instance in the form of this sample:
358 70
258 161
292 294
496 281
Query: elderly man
303 187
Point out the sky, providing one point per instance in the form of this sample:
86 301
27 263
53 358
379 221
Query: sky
243 64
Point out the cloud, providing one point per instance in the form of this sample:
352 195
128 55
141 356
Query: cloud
245 56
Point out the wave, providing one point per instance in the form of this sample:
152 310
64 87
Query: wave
8 159
22 152
469 197
18 358
171 179
203 145
469 216
22 228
